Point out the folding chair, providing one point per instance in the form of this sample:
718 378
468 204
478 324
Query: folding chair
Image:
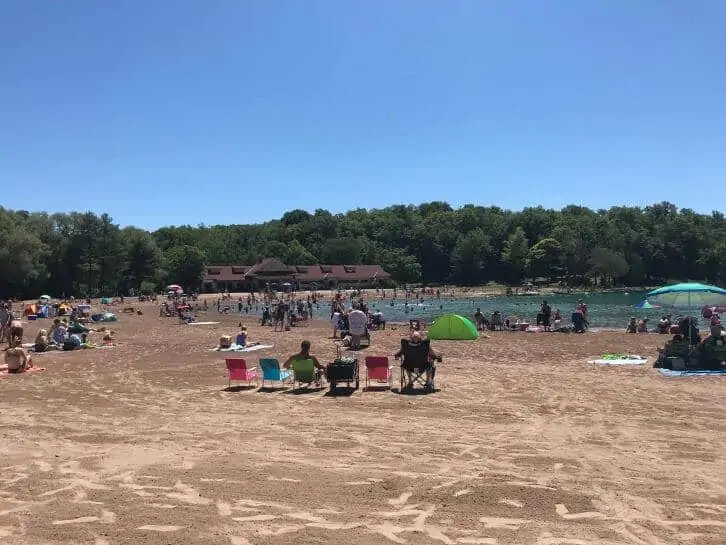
272 371
238 371
305 372
415 359
378 369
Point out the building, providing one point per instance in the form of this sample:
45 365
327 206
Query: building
279 275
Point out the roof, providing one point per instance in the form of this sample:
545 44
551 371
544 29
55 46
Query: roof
225 273
270 266
318 273
301 273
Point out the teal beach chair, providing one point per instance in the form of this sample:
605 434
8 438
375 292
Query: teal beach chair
272 371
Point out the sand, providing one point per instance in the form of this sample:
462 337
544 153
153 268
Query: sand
525 443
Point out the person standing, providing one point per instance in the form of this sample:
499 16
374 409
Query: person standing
479 318
546 312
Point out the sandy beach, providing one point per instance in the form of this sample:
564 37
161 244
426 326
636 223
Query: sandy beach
524 443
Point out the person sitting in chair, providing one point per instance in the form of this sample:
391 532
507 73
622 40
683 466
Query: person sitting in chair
433 357
711 352
677 347
632 326
304 354
357 327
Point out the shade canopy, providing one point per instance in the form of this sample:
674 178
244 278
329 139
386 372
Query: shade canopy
688 294
452 327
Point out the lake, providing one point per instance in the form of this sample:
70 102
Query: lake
605 310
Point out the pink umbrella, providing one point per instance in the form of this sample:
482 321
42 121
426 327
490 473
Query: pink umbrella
174 287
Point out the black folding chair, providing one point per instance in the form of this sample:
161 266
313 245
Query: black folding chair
415 360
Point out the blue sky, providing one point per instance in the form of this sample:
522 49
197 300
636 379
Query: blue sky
234 111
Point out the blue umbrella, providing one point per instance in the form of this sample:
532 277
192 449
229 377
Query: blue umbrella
689 294
646 304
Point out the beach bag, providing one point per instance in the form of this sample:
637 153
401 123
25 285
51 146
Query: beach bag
225 341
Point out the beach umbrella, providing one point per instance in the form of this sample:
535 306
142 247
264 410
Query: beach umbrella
174 287
646 304
45 297
688 294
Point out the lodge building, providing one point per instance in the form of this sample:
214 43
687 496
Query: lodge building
231 278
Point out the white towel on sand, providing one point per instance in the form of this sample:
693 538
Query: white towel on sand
237 348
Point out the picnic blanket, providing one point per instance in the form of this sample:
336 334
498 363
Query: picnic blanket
238 348
619 359
672 373
202 323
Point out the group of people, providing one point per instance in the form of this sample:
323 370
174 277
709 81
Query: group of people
416 337
687 349
547 319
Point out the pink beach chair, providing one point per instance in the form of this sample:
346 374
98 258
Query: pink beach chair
238 371
378 369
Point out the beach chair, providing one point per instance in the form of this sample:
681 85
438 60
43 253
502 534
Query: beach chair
272 371
415 359
304 372
238 371
378 370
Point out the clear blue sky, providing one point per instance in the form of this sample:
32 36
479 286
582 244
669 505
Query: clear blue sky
234 111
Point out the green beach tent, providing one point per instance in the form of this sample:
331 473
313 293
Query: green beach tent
452 327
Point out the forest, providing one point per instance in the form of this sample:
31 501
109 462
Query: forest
86 254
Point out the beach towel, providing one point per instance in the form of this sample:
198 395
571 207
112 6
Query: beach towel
238 348
619 359
672 373
4 371
202 323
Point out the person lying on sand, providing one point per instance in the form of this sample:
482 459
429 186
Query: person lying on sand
304 354
16 358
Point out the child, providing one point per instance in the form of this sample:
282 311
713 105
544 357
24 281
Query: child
241 337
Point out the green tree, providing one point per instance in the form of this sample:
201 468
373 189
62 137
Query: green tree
470 256
545 258
608 265
516 251
141 259
185 266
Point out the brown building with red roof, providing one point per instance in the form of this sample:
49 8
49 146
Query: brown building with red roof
276 273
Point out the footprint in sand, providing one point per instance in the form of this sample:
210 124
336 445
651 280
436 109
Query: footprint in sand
255 518
400 500
224 509
511 503
503 523
79 520
43 465
563 512
187 494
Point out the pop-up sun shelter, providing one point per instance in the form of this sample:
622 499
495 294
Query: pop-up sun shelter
452 327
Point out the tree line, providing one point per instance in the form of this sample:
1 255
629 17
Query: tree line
86 254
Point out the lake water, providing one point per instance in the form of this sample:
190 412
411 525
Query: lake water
605 310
